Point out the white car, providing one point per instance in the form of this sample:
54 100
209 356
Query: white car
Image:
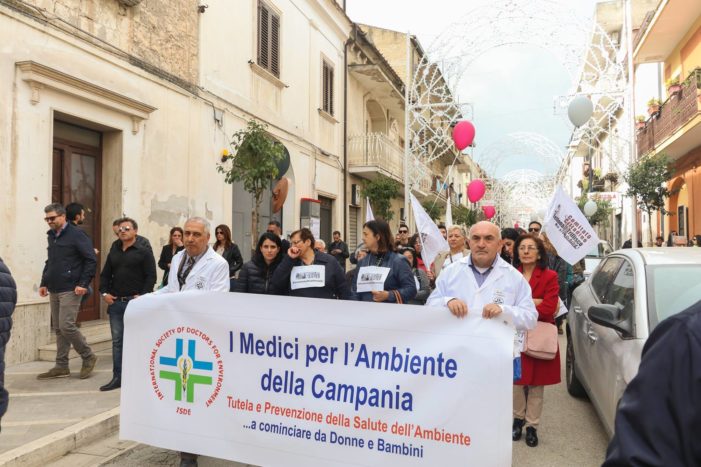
613 313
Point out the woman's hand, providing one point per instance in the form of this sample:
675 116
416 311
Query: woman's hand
537 301
380 295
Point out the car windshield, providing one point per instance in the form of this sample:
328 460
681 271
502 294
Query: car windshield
601 250
672 289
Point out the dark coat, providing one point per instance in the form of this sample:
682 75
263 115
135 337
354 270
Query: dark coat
424 287
255 277
659 416
340 257
334 279
232 255
8 300
534 371
165 259
400 277
71 260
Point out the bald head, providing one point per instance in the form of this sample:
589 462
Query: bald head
485 243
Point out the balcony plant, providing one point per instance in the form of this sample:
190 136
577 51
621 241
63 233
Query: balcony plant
640 122
612 178
653 106
673 86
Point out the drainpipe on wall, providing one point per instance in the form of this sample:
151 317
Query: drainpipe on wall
345 133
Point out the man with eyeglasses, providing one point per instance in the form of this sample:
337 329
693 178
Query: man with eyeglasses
535 227
403 239
129 271
70 267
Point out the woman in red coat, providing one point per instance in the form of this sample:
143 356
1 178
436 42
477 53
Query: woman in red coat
530 254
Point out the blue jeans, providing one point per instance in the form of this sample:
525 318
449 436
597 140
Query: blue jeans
116 313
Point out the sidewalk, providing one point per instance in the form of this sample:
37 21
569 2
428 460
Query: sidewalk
47 419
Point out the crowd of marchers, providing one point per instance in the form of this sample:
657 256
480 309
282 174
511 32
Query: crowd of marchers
513 274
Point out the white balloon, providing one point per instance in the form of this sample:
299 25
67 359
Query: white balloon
590 208
580 110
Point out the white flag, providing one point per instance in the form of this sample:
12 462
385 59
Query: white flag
448 214
432 242
369 216
568 229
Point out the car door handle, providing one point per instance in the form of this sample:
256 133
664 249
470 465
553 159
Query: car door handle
592 336
577 309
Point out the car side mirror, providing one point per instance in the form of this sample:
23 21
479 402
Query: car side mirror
608 317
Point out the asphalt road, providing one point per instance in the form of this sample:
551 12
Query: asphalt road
570 434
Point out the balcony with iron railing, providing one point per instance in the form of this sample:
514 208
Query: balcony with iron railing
676 112
373 153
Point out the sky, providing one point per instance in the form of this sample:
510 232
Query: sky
512 88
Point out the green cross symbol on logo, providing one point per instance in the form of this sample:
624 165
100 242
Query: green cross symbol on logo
184 380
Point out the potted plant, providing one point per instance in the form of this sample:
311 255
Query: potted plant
673 86
653 106
640 122
611 177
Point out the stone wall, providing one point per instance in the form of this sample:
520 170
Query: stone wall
161 33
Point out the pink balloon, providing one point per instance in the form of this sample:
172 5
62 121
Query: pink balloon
489 211
475 190
463 134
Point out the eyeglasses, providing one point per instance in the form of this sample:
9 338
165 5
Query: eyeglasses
534 230
527 248
125 229
51 218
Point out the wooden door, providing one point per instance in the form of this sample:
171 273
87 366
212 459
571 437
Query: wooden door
76 178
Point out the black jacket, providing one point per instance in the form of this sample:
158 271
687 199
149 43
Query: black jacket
232 255
8 300
400 277
334 279
340 257
130 272
659 416
255 277
71 260
165 259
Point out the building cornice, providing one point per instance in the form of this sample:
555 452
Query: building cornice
40 76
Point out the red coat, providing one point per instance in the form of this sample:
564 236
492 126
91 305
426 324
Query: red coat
536 372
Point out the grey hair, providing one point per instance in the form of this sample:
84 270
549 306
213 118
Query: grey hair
200 220
486 222
55 207
457 227
323 243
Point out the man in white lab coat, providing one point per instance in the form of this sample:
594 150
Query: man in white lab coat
484 283
197 267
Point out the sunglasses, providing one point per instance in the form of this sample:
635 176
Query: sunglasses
219 232
51 218
125 229
403 231
534 230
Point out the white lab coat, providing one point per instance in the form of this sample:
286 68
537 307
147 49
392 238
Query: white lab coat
210 273
504 286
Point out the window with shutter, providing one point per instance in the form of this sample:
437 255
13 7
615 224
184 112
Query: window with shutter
268 39
327 88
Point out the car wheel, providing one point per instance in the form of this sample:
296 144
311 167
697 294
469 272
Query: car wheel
574 386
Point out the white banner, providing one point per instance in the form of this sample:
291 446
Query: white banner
291 381
369 216
432 241
568 228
